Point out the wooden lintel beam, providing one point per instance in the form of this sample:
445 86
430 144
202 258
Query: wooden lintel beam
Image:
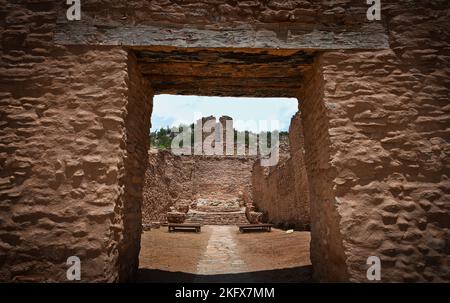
223 70
229 91
183 81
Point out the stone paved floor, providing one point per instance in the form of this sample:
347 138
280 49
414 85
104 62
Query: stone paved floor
222 254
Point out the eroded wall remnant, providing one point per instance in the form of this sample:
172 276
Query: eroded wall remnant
62 147
375 126
137 125
377 153
281 191
168 180
177 181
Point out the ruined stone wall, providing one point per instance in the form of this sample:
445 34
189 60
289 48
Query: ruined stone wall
375 125
137 125
63 143
230 13
217 177
281 192
377 152
168 181
172 180
61 153
327 252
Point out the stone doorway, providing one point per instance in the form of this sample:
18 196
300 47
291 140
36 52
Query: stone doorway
234 72
216 191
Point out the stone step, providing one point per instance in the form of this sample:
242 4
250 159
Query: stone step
216 218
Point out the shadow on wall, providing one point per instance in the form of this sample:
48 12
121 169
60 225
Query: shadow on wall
301 274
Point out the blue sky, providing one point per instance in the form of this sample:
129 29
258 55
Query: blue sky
170 110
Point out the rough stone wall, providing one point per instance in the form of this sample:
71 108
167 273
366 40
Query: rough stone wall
168 181
327 252
377 152
281 192
222 177
57 146
137 125
376 138
231 13
62 150
297 156
173 180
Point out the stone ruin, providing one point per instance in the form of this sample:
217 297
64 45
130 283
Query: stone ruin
241 194
76 103
222 212
200 188
215 212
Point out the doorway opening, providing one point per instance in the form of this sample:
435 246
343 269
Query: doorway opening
240 73
217 191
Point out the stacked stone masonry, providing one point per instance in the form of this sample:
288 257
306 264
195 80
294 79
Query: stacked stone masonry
178 181
281 192
377 152
375 123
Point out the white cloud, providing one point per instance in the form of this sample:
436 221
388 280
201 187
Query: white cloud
168 109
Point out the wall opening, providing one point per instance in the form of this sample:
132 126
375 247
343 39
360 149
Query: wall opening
223 190
242 74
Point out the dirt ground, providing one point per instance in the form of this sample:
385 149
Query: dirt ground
222 254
